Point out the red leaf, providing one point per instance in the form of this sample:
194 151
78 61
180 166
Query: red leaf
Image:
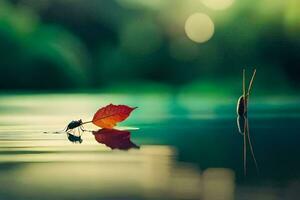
109 116
115 139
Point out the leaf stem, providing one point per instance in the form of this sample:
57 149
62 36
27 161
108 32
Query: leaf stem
86 122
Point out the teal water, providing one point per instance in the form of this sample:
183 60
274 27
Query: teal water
190 148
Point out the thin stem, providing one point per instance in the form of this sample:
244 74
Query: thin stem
244 86
251 148
251 82
245 148
244 92
86 122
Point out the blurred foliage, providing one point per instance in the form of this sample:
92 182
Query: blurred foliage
96 44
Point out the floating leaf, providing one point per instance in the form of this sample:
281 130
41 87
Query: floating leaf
110 115
115 139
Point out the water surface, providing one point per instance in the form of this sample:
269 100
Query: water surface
190 148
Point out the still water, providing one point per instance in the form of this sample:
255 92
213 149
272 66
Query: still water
185 147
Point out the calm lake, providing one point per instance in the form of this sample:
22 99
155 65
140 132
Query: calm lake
190 148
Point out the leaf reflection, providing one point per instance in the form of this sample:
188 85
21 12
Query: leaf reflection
115 139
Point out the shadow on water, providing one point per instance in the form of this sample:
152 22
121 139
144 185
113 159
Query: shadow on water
115 139
244 130
112 138
74 138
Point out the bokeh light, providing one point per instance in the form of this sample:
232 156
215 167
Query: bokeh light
218 4
292 19
199 27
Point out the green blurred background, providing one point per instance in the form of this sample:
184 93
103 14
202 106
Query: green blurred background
195 46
